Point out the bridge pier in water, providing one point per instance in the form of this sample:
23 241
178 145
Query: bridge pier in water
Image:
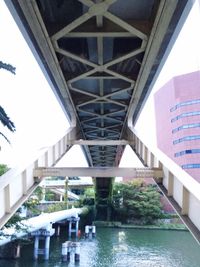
11 250
73 225
69 248
42 235
90 229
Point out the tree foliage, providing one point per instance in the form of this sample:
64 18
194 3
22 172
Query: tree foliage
4 118
3 169
7 67
89 192
136 201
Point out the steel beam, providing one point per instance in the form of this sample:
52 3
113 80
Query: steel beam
99 172
101 142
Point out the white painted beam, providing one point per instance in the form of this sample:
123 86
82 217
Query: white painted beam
98 172
101 142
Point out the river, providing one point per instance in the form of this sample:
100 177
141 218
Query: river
114 247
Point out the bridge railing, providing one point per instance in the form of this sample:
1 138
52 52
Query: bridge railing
17 184
181 189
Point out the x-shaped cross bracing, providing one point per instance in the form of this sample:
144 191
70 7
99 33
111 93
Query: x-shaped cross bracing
99 121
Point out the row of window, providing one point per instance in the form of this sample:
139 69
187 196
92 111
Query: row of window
186 114
191 166
186 103
186 138
187 151
186 126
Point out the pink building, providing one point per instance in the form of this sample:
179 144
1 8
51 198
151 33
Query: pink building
177 111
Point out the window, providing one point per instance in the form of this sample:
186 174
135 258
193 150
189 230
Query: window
191 166
188 114
188 151
186 103
186 138
186 126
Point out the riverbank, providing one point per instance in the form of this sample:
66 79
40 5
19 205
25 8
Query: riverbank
167 226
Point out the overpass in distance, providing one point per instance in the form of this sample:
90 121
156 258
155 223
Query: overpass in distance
100 58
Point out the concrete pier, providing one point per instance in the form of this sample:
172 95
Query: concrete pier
11 250
65 252
90 229
69 248
42 234
77 252
73 225
57 230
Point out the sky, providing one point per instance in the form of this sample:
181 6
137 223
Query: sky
26 97
29 101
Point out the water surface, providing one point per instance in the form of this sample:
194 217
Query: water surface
114 247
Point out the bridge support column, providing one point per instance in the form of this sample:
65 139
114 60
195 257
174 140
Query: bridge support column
151 159
36 248
46 249
57 230
42 234
73 225
41 251
65 252
77 252
185 202
170 187
145 155
17 251
136 143
10 250
140 148
70 247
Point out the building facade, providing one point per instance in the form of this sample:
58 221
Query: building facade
177 111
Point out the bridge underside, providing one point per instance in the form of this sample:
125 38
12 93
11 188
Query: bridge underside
100 58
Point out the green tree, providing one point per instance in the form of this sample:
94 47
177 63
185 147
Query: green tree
135 200
89 192
3 169
5 120
7 67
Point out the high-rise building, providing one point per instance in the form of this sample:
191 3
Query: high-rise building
177 111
